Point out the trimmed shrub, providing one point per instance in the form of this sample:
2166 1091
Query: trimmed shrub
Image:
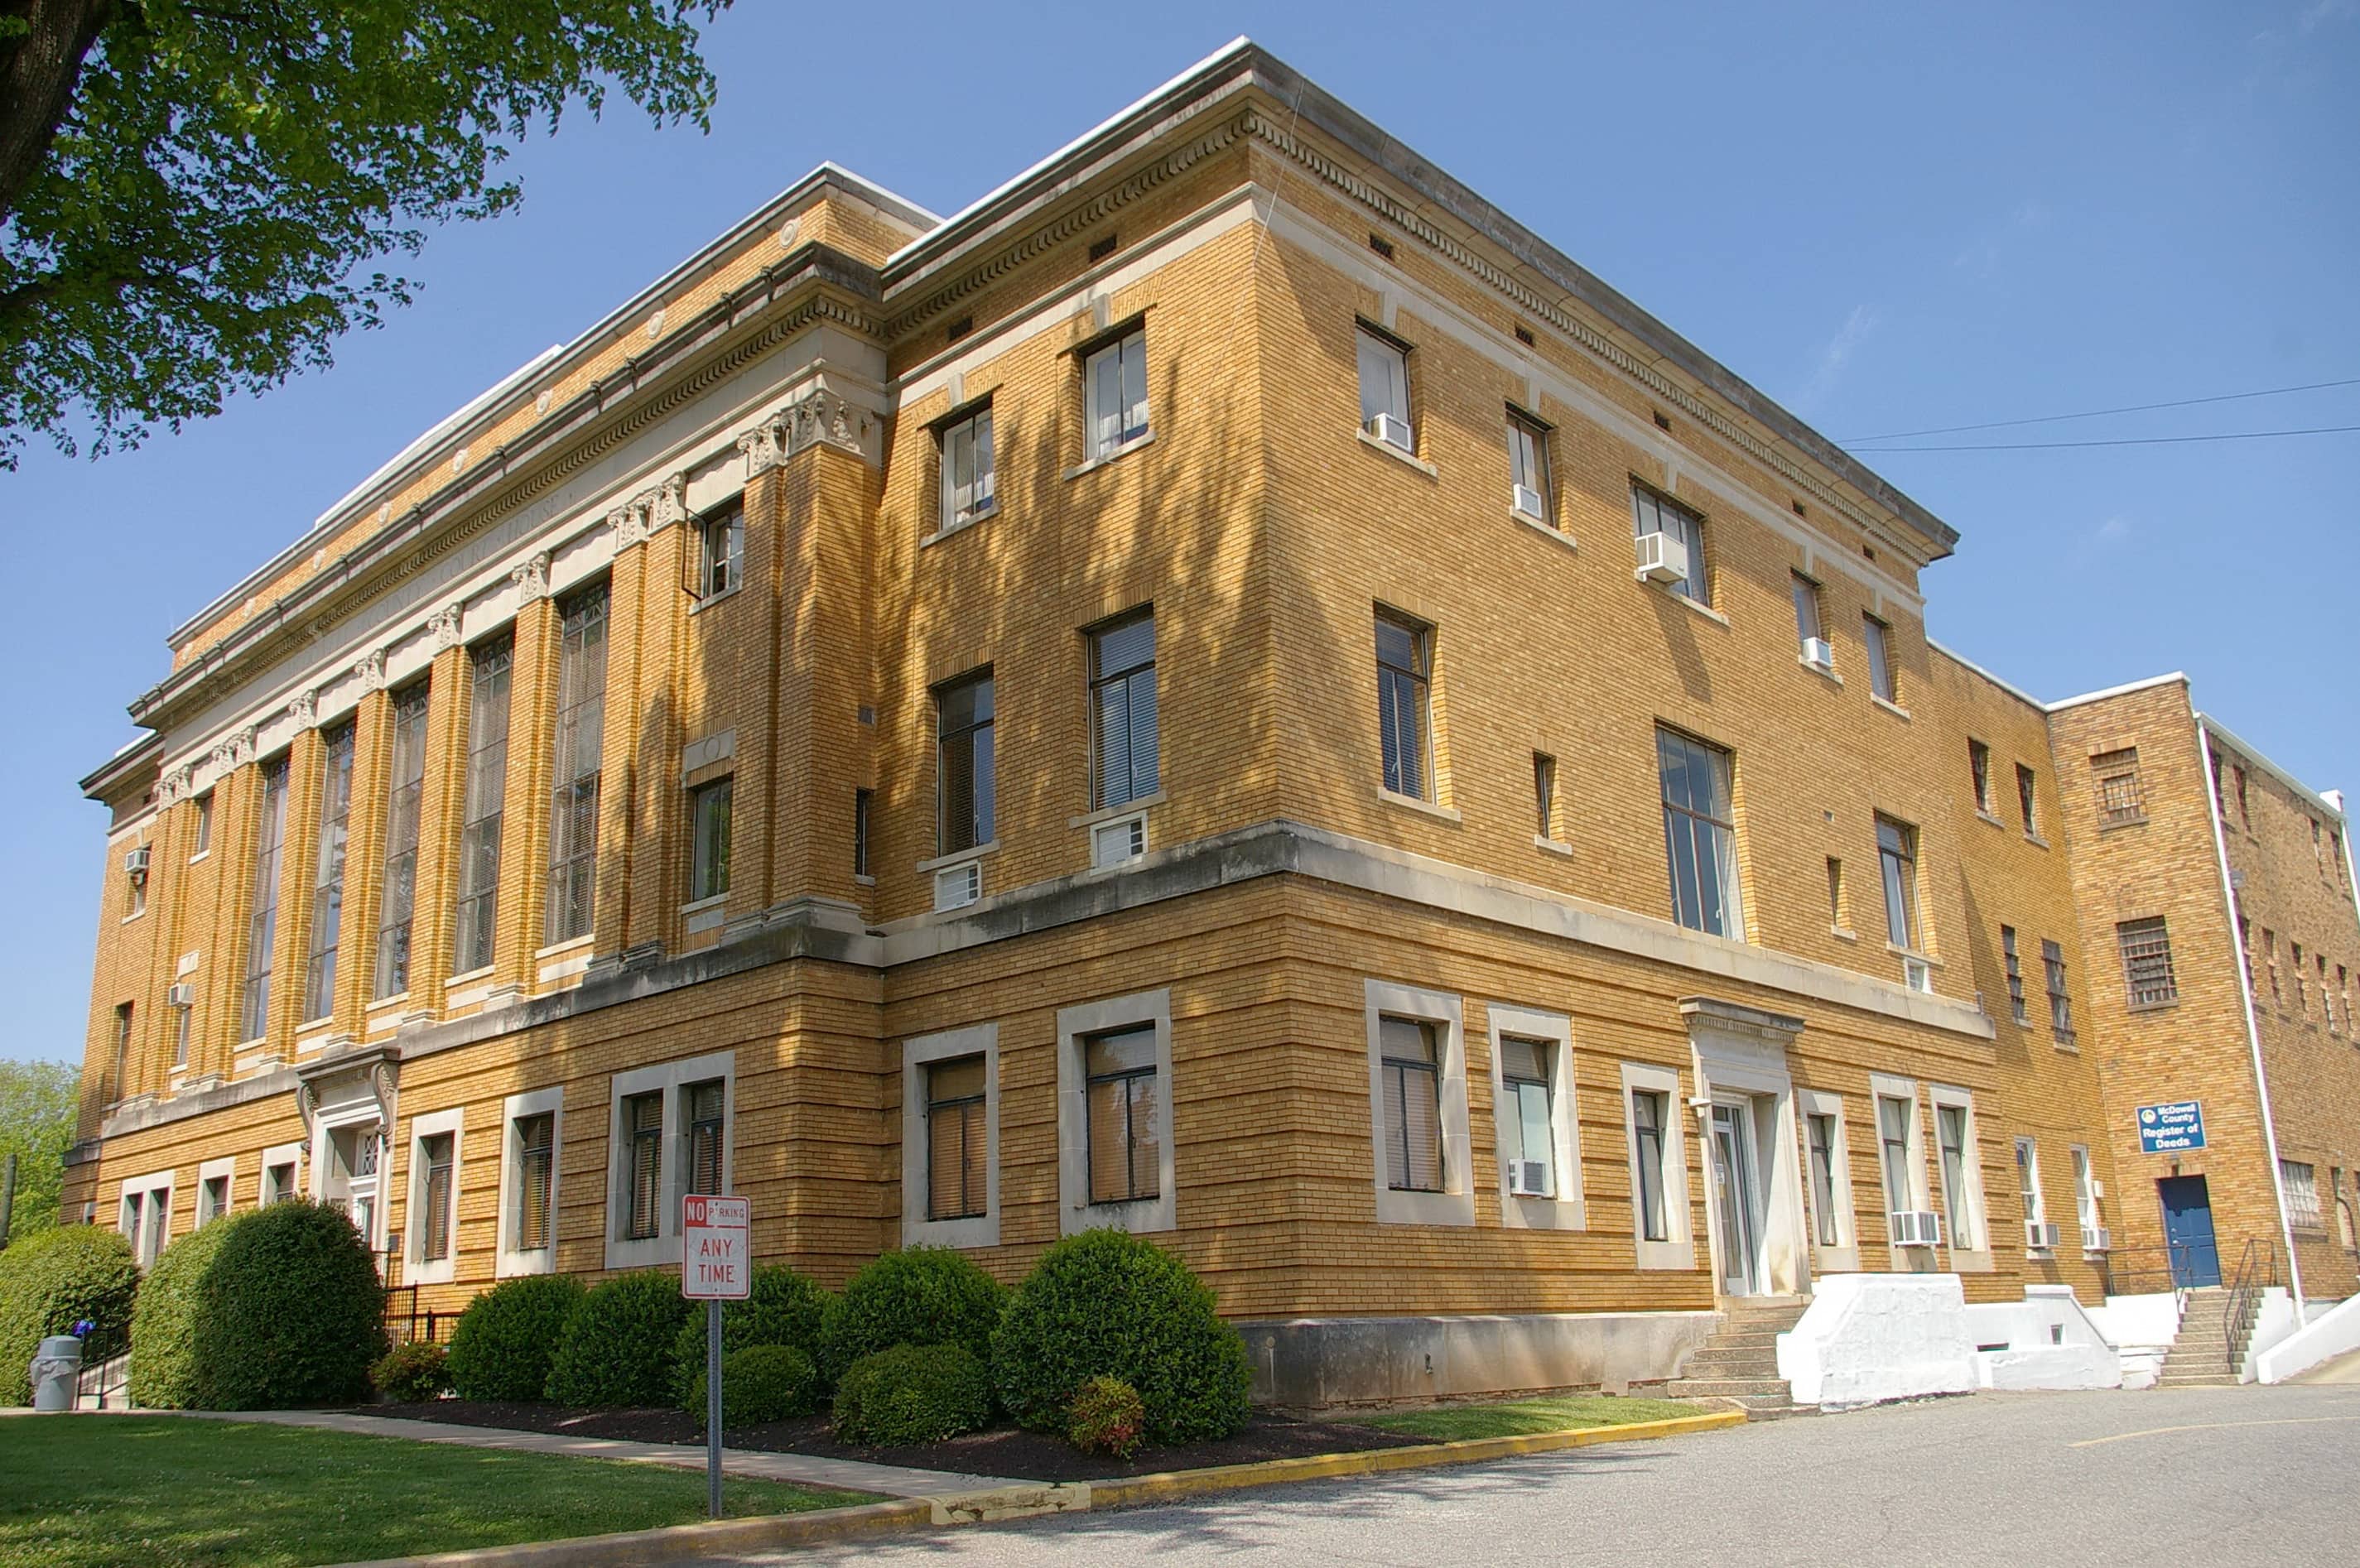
616 1350
758 1384
782 1308
52 1280
1108 1417
508 1336
164 1369
923 1295
290 1314
1104 1303
412 1374
913 1394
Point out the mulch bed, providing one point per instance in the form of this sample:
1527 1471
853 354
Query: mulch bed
1022 1455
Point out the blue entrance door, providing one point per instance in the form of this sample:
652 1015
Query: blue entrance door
2187 1230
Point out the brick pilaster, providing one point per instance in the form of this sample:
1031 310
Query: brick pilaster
442 799
524 820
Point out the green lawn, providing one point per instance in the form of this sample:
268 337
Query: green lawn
1518 1418
100 1491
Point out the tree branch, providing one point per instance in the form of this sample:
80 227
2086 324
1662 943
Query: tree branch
39 69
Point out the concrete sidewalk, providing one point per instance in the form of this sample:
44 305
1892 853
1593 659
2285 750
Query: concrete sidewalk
810 1470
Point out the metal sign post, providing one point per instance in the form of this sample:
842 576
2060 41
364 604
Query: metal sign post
715 1265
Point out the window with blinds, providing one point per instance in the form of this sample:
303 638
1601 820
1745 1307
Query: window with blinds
1412 1070
435 1195
963 750
405 794
480 812
643 1135
536 1167
1123 712
2146 962
1119 1087
701 1107
957 1147
1404 675
328 882
580 739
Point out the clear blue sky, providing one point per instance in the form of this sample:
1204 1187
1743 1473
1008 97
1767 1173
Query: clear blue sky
1886 220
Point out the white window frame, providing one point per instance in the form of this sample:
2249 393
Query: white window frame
1075 1209
1678 1249
1565 1211
1914 1180
224 1171
667 1078
415 1268
975 426
1455 1205
2088 1212
155 1222
1392 357
280 1154
508 1259
1843 1258
1114 353
1965 1260
917 1055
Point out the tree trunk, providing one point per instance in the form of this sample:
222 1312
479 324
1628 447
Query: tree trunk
38 69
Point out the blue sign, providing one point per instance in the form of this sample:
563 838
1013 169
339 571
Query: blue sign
2169 1129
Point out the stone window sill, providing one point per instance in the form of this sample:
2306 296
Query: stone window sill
1411 802
1826 673
1547 530
1701 608
957 857
950 530
702 604
1396 454
1114 454
1553 845
1890 706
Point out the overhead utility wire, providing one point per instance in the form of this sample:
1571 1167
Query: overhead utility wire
2128 440
2101 413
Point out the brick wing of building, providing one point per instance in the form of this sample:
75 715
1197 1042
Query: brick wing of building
1229 690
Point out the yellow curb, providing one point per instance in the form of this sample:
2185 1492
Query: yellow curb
1172 1483
1010 1502
671 1543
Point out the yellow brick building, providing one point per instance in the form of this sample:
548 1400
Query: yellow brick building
1228 690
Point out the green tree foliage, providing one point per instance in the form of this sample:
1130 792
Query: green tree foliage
67 1275
37 1123
192 192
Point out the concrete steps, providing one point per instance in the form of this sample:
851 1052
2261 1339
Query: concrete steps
2199 1355
1738 1365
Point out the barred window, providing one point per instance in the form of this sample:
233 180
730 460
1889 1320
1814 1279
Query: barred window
480 812
580 742
1405 674
2061 1005
957 1146
2015 962
2146 961
536 1138
405 796
2301 1184
2120 797
1118 1086
1412 1070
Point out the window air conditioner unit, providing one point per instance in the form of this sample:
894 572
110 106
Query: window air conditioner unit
1662 559
1818 650
957 886
1918 974
1528 502
1392 431
1915 1227
1529 1178
1113 843
182 995
135 863
2040 1237
2097 1238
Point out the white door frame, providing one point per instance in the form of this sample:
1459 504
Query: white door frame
1746 1181
1741 1056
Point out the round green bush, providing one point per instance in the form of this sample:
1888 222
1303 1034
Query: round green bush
291 1313
53 1279
782 1307
616 1350
412 1374
913 1394
1103 1304
758 1384
508 1336
1108 1417
924 1295
164 1330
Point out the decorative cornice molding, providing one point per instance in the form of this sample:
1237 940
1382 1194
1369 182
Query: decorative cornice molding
177 785
817 418
371 669
532 578
305 709
443 627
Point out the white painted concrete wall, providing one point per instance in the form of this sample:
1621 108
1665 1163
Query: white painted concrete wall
2141 1328
2330 1334
2046 1340
1868 1338
2274 1324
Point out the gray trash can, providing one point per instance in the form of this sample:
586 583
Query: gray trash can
55 1371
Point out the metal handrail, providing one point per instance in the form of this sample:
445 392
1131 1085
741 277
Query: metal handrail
2257 1271
2165 1274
